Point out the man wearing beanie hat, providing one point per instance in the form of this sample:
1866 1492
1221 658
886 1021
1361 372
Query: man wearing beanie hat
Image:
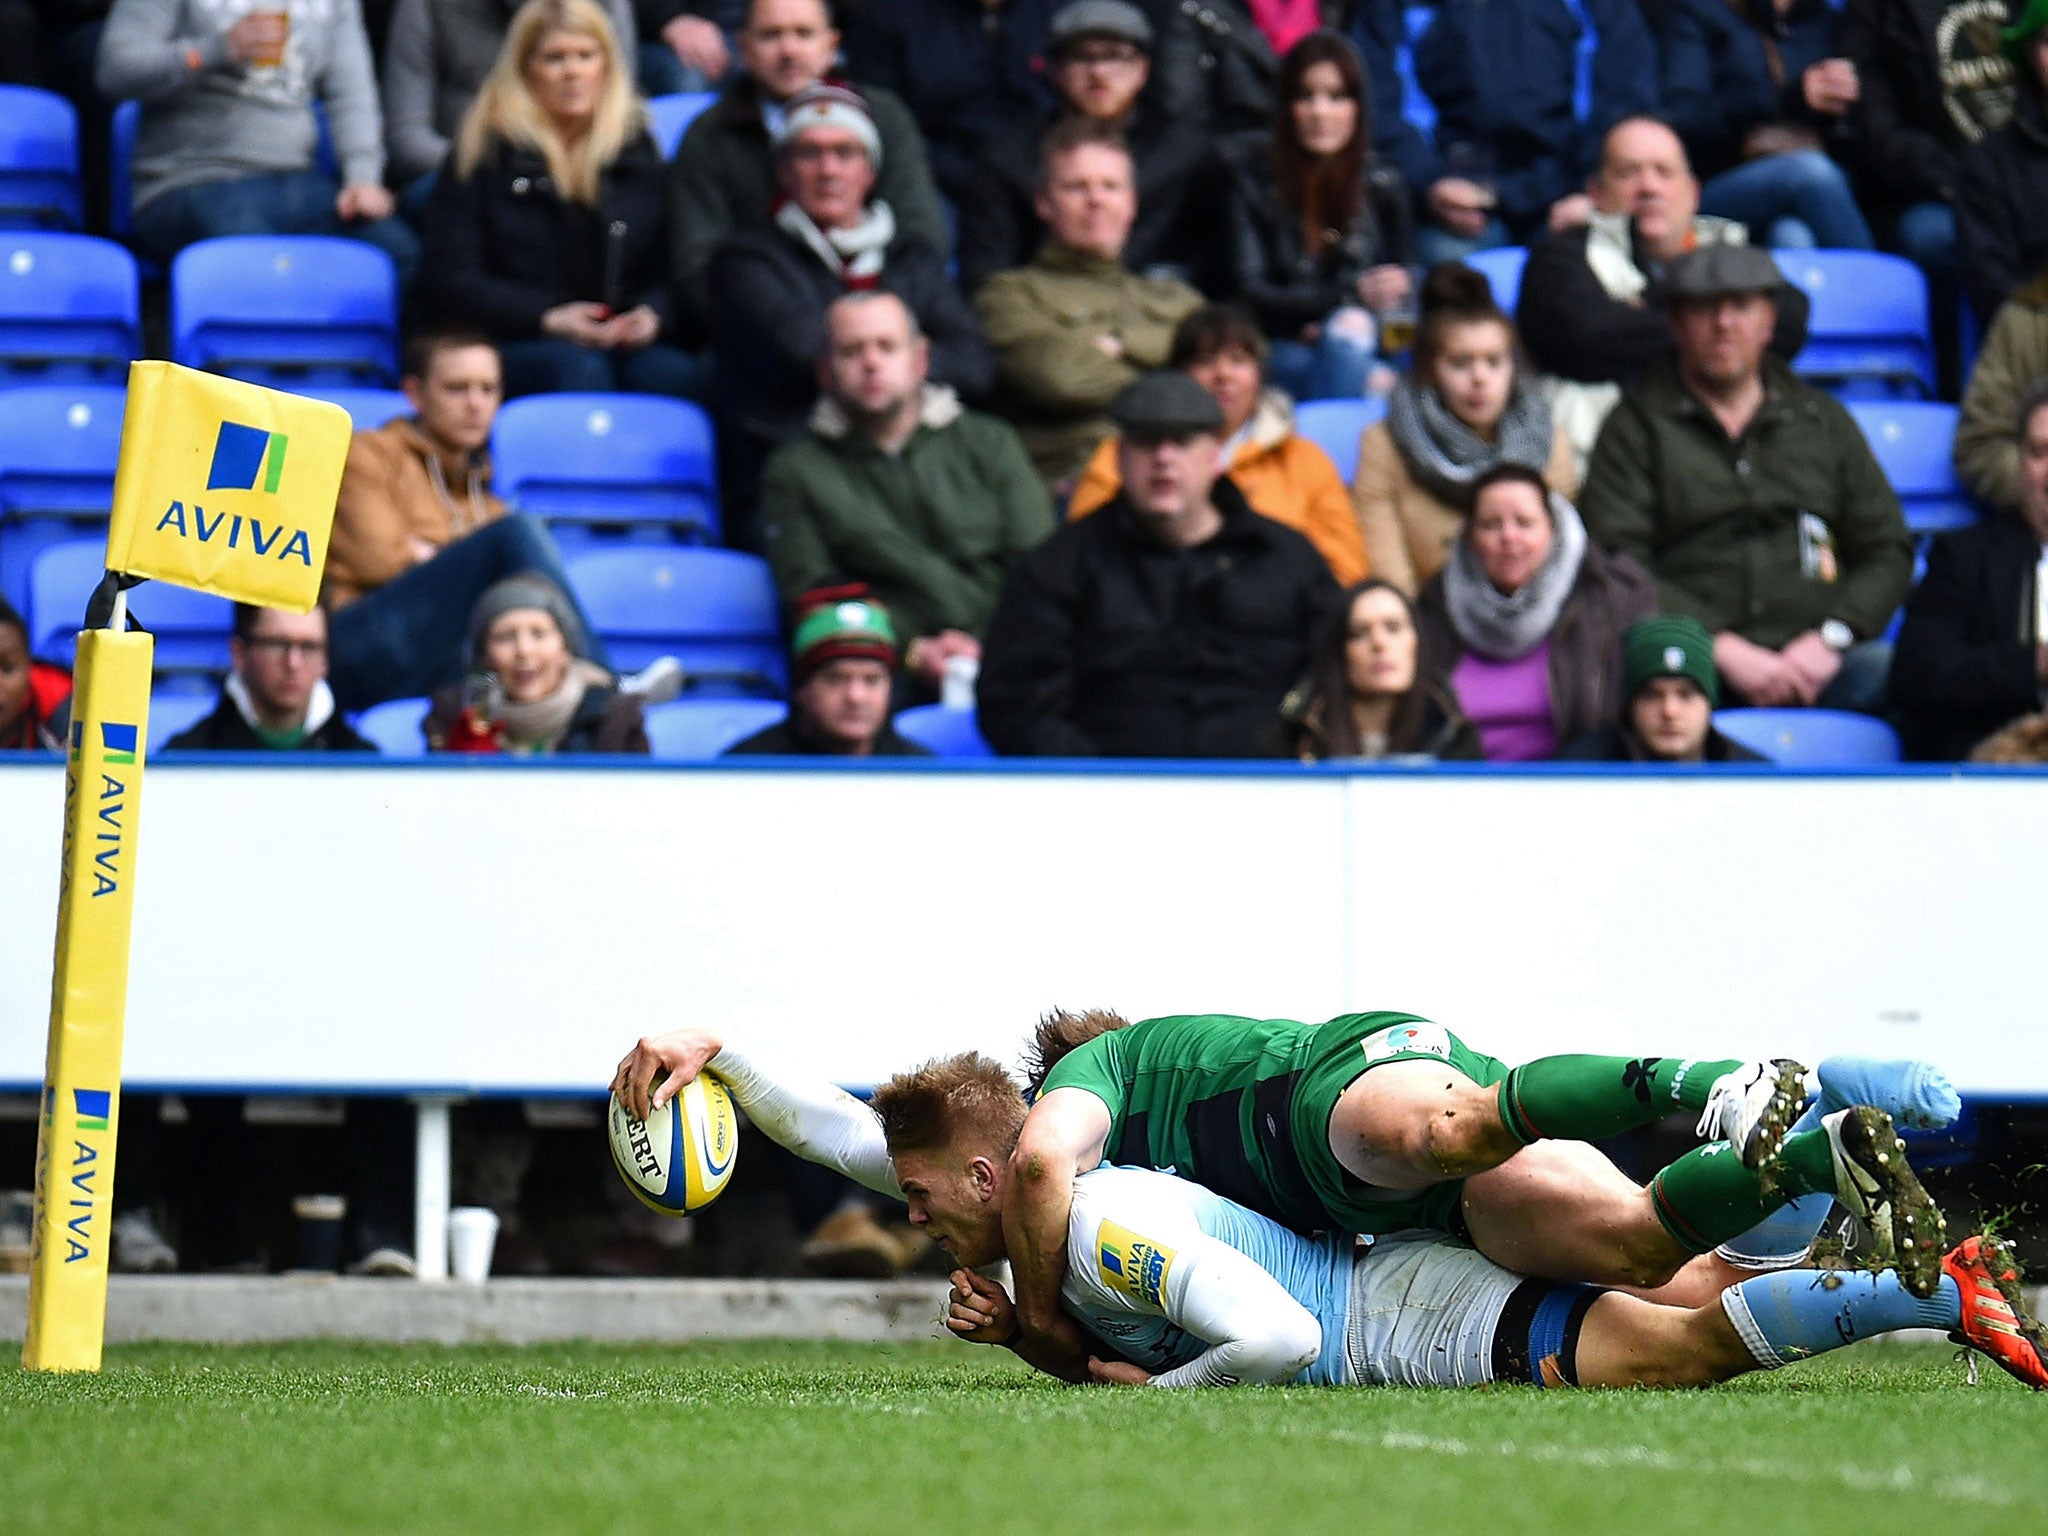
1172 622
1668 678
1753 498
723 175
842 671
2001 197
1099 61
829 236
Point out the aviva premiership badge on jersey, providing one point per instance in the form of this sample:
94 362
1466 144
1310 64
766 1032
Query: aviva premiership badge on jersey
1135 1266
1407 1040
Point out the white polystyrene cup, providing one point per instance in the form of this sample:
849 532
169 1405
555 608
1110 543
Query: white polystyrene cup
472 1234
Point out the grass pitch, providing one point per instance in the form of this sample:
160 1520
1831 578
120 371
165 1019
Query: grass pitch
793 1438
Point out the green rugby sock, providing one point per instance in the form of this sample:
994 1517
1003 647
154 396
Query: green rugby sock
1583 1098
1707 1196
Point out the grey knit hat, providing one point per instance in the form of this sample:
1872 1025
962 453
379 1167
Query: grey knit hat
526 590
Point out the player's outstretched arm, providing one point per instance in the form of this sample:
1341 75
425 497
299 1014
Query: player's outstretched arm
1063 1136
979 1311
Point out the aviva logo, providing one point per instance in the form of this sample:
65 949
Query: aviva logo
116 739
94 1105
243 455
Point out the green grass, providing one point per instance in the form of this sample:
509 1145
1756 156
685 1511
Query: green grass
792 1438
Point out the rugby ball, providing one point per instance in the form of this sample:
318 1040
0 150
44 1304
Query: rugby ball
680 1158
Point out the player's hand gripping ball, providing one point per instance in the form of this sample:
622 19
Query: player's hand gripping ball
680 1158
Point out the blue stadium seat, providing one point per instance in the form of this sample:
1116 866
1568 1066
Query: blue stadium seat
70 309
367 408
170 713
1914 442
1334 426
715 610
290 311
1870 332
1502 268
58 448
669 117
395 728
1811 738
191 628
1416 107
39 186
696 730
948 732
638 466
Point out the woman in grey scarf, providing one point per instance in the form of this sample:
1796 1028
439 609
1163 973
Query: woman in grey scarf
1462 410
1523 625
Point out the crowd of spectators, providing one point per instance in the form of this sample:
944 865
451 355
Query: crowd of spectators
1003 310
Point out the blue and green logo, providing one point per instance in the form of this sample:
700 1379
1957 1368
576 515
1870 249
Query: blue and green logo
243 455
117 741
94 1106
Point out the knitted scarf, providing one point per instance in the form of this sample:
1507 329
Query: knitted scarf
856 254
540 724
1445 456
1503 626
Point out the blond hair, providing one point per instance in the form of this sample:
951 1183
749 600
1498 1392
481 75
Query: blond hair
505 108
966 1102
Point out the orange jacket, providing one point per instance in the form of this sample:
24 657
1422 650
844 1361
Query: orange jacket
396 488
1283 475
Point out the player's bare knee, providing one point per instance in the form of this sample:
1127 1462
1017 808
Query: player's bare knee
1464 1136
1645 1260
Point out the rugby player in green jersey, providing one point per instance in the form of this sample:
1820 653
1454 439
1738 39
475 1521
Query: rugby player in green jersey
1380 1122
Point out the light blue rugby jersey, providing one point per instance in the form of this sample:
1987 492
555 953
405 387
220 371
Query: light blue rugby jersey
1131 1227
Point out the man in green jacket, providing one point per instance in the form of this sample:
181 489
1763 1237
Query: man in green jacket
1076 326
2013 359
896 485
1753 498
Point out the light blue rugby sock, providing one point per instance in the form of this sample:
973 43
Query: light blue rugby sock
1791 1314
1914 1093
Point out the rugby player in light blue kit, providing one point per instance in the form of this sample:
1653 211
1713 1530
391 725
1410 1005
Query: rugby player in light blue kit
1182 1287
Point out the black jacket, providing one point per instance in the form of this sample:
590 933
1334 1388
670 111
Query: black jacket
1272 270
226 731
1177 199
768 329
2002 206
1107 643
1717 77
1575 329
1619 744
1964 663
787 738
967 71
1933 84
502 248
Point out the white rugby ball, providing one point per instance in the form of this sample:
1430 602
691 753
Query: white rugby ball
680 1158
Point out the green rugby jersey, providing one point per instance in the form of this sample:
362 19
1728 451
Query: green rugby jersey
1210 1097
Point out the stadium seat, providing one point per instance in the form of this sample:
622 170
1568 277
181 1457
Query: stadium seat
669 117
715 610
58 448
1869 333
696 730
367 408
1914 441
1811 738
1416 107
1502 268
1334 426
191 628
290 311
70 309
170 713
948 732
39 186
640 466
396 727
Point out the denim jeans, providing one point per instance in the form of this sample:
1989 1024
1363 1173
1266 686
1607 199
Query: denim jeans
551 363
411 635
1798 200
1434 244
275 203
1864 683
663 74
1333 367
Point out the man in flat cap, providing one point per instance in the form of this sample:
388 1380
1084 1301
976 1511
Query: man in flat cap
1169 624
1753 498
1099 61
